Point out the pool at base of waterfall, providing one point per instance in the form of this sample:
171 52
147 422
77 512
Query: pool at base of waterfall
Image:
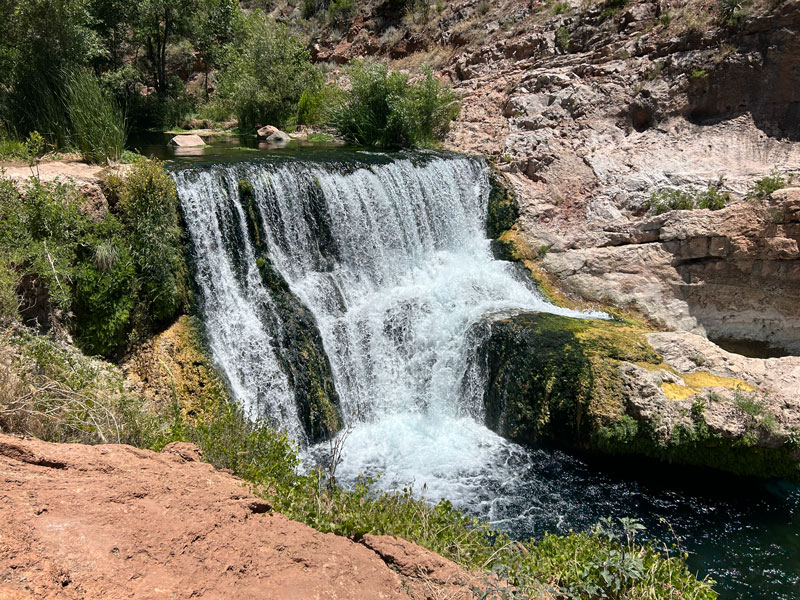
388 254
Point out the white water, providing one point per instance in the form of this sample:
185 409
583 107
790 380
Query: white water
395 285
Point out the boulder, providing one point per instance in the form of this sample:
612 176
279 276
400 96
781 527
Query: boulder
272 134
187 141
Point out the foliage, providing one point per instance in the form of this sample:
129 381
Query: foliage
666 199
101 278
315 105
733 12
266 74
562 38
764 187
97 123
156 24
41 41
50 390
383 109
213 29
611 8
148 209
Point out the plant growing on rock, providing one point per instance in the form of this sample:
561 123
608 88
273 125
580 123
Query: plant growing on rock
666 199
764 187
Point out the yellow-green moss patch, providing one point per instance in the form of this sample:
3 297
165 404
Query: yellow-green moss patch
698 381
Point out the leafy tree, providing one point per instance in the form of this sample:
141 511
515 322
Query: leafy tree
157 24
266 73
214 29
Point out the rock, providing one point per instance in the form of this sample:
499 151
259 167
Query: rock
272 134
113 521
617 389
187 141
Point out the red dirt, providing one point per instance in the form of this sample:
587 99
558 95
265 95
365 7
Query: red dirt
113 522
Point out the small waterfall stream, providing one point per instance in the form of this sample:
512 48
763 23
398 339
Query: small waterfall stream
390 256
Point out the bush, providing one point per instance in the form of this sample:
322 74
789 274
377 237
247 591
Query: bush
101 278
667 199
315 105
383 109
148 209
267 74
765 186
51 391
97 123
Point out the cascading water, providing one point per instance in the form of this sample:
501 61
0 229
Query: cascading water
393 261
391 257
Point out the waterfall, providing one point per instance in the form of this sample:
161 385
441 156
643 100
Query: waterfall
390 255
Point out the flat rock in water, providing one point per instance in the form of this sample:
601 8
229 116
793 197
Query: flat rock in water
187 141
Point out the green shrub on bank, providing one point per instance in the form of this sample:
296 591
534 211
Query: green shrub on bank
51 391
103 278
147 206
314 106
764 187
266 74
383 109
667 199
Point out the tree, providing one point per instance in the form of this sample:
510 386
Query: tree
214 29
157 24
266 73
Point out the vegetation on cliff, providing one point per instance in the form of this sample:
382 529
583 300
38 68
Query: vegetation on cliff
108 278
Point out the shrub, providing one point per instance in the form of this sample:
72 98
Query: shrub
50 390
101 278
148 209
267 74
733 11
315 105
11 149
764 187
667 199
97 123
562 38
383 109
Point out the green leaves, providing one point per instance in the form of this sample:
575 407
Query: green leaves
266 73
383 109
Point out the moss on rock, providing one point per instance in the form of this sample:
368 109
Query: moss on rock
297 339
503 210
173 368
573 382
553 377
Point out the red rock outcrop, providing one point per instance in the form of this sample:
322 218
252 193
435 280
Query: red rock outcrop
117 522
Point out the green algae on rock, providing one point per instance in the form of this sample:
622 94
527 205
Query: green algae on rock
599 385
301 356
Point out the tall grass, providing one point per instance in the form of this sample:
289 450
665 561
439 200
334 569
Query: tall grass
97 123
